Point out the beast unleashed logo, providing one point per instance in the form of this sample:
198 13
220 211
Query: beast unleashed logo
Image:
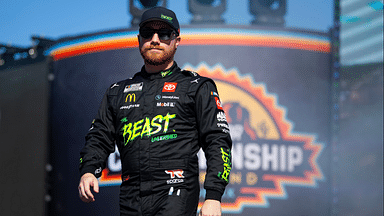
267 155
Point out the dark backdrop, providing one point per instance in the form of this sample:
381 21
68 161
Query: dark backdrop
299 80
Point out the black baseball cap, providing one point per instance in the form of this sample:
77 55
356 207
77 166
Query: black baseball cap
161 14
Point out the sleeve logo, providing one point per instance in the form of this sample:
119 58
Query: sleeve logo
214 93
218 103
221 116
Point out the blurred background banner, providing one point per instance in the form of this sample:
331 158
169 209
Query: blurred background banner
274 85
304 105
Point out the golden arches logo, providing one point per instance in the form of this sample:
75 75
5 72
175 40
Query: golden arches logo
131 96
254 113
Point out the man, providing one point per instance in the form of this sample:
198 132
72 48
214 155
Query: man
159 119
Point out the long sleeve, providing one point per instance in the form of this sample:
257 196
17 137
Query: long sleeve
99 140
215 140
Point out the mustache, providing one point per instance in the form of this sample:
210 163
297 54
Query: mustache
153 47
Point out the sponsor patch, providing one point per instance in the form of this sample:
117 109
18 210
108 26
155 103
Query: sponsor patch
169 87
131 97
130 106
225 130
218 103
165 104
114 85
133 87
175 181
223 125
176 176
170 97
214 94
125 178
165 73
97 171
227 164
164 137
166 18
195 80
221 116
145 127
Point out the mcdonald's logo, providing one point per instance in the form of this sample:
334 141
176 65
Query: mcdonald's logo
132 97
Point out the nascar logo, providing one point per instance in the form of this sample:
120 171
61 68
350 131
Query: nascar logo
133 87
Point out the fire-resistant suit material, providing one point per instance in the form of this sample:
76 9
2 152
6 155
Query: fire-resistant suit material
159 122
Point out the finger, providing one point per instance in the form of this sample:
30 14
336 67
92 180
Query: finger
96 186
82 191
80 195
88 192
83 195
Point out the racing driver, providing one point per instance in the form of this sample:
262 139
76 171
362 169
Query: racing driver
159 119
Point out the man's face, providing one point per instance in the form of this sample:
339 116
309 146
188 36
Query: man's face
154 50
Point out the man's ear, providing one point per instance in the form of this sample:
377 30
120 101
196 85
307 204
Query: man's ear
178 39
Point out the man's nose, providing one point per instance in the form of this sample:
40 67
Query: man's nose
155 38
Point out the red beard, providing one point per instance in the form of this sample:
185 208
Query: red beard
157 59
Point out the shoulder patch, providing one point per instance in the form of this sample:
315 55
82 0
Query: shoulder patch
117 87
191 73
114 85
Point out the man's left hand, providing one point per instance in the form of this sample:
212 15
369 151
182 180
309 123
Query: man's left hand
210 208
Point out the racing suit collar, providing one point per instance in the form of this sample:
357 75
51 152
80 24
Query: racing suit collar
160 74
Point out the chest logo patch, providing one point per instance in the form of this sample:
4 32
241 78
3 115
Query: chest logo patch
133 87
169 87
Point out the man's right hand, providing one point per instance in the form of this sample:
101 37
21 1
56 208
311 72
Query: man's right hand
87 181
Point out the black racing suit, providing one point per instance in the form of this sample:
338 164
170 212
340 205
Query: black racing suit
159 122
